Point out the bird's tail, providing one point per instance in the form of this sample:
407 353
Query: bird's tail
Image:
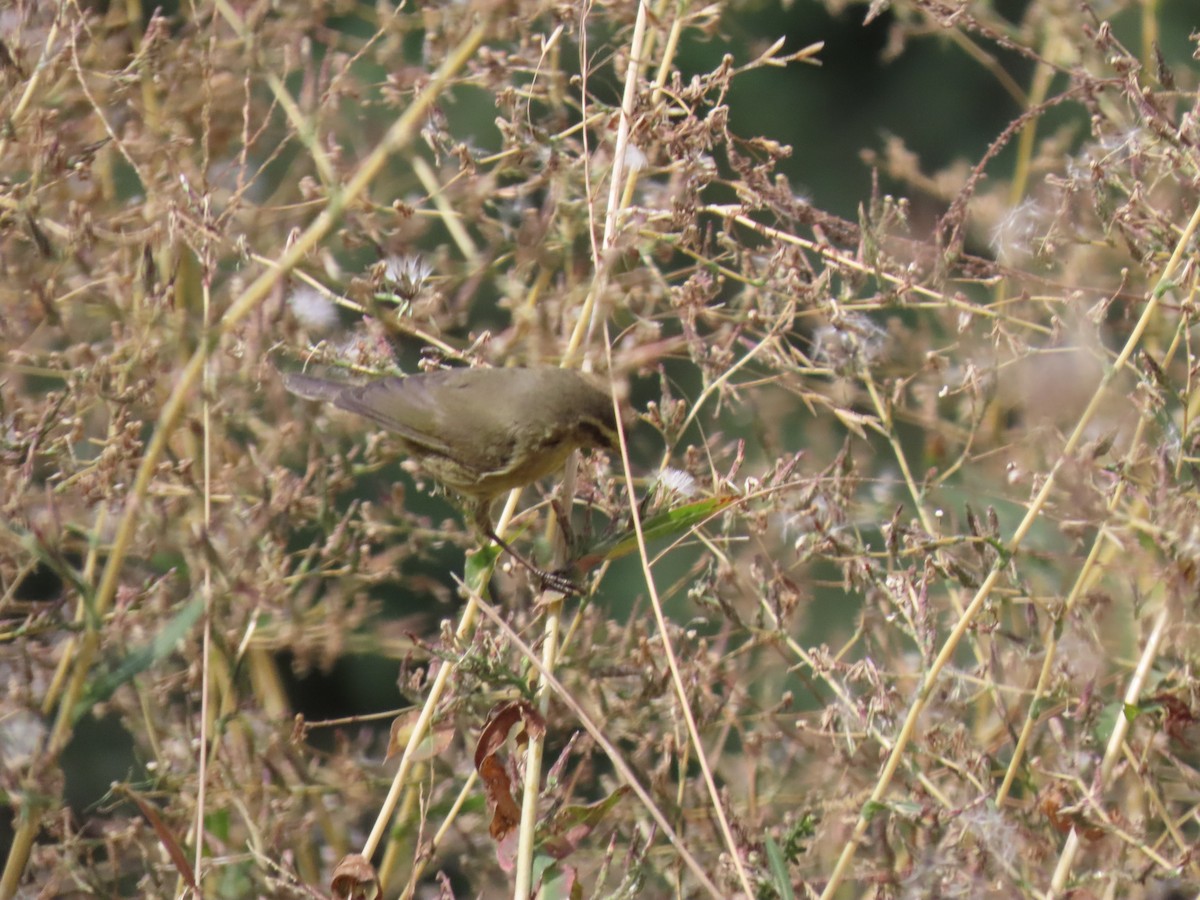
311 388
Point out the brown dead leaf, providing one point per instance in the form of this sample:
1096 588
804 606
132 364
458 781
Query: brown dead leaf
355 879
498 786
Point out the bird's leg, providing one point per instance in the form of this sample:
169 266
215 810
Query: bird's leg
563 517
552 581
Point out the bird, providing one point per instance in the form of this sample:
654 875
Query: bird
482 432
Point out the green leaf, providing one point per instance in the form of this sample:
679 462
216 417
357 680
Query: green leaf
140 660
1106 721
795 838
572 824
556 882
670 523
900 808
478 570
779 870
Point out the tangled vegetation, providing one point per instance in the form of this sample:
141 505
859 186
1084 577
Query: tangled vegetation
891 588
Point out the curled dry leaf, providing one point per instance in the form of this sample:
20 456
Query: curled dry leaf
505 812
166 837
1179 722
434 743
1063 821
355 879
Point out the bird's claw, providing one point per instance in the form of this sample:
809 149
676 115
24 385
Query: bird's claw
559 581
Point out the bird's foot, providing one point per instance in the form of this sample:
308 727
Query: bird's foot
561 582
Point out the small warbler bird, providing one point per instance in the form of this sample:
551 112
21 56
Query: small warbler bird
482 432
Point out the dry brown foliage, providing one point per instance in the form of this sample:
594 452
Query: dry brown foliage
935 638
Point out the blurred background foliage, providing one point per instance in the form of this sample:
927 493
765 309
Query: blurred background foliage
810 300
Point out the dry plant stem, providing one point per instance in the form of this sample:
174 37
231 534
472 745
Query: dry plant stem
406 842
1115 742
726 376
585 327
1050 642
1101 547
613 754
1130 840
63 668
523 881
942 300
1042 76
664 67
304 129
535 749
100 110
889 434
449 216
581 336
31 87
589 302
345 302
1150 32
436 841
1193 407
206 636
466 625
624 127
1088 573
991 64
399 135
848 704
664 70
960 629
1136 768
677 679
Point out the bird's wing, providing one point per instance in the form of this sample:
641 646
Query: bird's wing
448 413
406 406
